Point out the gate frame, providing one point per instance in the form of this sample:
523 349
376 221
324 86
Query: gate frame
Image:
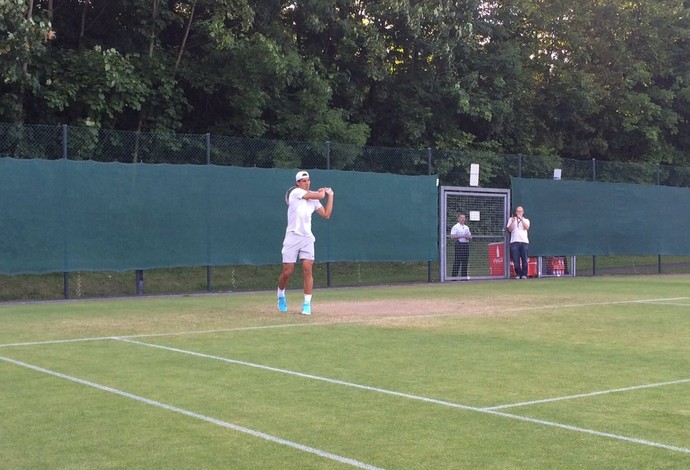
443 228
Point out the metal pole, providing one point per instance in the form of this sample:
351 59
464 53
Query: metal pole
594 178
64 141
139 280
327 151
209 269
658 182
429 171
208 149
65 275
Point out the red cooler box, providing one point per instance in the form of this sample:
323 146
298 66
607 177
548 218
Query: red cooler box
496 260
532 268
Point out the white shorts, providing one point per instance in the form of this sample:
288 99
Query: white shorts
295 246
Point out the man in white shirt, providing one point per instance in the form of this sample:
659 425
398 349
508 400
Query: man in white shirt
462 235
299 239
518 225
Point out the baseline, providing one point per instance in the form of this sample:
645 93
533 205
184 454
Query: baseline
192 414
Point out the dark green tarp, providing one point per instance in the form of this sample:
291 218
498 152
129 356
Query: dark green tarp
64 215
589 218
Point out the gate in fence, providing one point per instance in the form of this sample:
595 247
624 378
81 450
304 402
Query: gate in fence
486 253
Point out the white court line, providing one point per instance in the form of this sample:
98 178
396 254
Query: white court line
619 437
339 322
587 395
616 302
208 419
669 303
155 335
664 300
368 320
416 397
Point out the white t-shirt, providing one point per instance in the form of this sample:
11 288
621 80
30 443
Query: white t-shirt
460 233
519 234
299 213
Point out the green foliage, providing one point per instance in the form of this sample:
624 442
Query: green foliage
22 41
93 87
589 79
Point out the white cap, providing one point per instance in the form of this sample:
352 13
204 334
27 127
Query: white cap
301 175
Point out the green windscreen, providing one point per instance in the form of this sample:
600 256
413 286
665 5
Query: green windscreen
63 216
588 218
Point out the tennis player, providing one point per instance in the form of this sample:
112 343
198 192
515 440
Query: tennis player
299 239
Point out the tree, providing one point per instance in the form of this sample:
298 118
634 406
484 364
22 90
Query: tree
602 76
23 42
251 79
605 79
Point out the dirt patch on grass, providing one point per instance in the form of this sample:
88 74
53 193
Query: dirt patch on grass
392 310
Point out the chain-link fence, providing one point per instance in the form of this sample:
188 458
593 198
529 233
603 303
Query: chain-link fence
452 167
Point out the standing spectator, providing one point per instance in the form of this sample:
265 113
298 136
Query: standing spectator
299 240
518 225
462 235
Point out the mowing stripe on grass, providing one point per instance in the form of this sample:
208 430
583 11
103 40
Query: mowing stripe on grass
208 419
340 322
414 397
587 395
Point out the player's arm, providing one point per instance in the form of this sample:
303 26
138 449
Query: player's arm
326 211
320 194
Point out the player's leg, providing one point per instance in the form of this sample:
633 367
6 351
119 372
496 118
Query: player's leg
284 278
289 253
308 273
307 256
283 281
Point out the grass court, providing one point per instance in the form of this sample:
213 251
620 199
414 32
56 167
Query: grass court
546 373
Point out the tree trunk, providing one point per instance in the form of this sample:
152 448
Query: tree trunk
184 39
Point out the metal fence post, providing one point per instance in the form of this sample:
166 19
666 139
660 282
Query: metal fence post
429 171
327 151
658 182
64 141
209 269
594 178
65 275
208 148
139 281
